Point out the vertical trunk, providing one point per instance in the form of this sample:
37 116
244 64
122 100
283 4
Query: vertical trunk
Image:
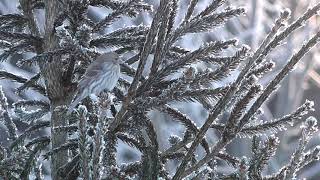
52 73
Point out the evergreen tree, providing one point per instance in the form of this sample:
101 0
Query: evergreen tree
83 144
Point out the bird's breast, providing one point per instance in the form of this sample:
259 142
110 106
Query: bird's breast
111 79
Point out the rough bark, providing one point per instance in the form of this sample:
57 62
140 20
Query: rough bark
52 73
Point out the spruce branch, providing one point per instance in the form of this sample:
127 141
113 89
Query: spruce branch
263 96
69 167
45 57
280 124
133 5
309 157
215 4
32 157
159 55
37 4
38 170
96 159
19 79
210 48
274 125
27 9
69 128
176 94
272 85
239 109
261 99
38 140
32 103
208 22
179 116
284 16
128 70
229 64
31 115
147 45
5 44
173 13
110 41
35 127
131 168
23 46
308 129
16 36
142 61
261 157
83 143
9 21
32 81
190 10
259 71
186 121
266 47
5 116
70 144
109 159
129 31
223 101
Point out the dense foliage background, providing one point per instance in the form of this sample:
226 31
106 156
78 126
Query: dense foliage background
197 63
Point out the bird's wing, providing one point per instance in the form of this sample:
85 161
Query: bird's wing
93 69
92 72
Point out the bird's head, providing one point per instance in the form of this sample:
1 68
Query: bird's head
110 56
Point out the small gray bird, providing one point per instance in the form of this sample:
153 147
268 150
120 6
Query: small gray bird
103 73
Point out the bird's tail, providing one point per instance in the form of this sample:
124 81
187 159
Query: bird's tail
73 104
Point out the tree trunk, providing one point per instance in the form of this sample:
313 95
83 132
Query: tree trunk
52 73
